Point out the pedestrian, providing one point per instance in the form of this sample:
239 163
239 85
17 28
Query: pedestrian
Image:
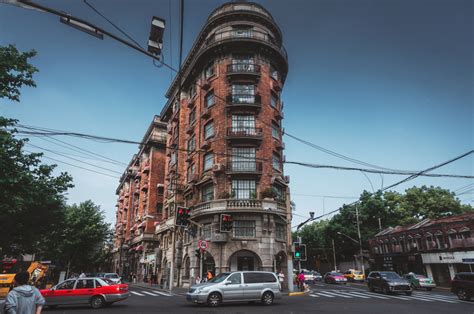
281 277
209 275
82 275
198 280
301 280
23 299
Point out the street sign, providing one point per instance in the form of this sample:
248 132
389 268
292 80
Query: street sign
203 244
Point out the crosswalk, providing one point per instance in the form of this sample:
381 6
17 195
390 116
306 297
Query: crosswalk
153 293
352 294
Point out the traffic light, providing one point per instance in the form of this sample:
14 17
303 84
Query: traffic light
182 216
300 251
226 223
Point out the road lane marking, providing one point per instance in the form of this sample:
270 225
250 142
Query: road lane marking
338 295
436 299
314 295
360 295
137 293
448 297
162 293
149 293
324 295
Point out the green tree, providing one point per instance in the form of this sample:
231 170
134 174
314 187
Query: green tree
80 243
31 197
15 71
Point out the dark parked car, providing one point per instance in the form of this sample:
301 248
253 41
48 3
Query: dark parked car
463 285
388 282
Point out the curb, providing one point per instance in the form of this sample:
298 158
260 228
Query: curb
292 294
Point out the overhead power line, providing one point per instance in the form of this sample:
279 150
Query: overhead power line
376 171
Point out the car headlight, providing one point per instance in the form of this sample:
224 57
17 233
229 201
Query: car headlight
392 283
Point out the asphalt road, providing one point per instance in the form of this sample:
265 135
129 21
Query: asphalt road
323 298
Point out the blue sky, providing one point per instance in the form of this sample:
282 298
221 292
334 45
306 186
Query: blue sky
387 82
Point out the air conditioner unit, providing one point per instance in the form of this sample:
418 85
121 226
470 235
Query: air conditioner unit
206 85
219 237
218 168
287 179
206 113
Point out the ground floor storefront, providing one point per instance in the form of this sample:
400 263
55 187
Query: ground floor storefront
443 266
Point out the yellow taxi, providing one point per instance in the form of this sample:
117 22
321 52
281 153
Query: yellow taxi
354 275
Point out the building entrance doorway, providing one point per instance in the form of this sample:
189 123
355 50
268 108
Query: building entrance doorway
244 260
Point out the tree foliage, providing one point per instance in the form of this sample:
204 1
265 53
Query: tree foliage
31 197
83 235
15 71
388 209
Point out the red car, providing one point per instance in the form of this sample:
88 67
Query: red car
93 291
334 277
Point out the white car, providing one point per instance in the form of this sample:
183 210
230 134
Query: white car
112 277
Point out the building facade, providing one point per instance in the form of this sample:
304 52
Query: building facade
140 205
438 248
225 151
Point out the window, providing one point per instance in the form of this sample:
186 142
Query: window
206 231
175 105
273 72
276 161
243 124
243 159
192 91
192 117
207 193
235 279
280 232
191 144
173 158
85 284
209 101
209 71
209 130
66 285
243 93
191 172
208 161
275 130
244 228
242 31
280 192
259 277
274 101
244 189
243 63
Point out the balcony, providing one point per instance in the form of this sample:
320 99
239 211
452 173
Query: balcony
244 133
244 101
462 243
239 205
240 70
245 167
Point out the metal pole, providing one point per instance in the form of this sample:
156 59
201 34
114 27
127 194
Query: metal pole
173 248
334 253
360 241
380 224
200 264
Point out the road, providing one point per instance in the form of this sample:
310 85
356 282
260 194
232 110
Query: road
322 298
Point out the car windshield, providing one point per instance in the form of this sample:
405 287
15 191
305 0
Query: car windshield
420 276
219 278
358 273
108 281
111 276
390 275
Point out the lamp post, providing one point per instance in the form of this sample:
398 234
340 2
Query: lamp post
360 247
298 238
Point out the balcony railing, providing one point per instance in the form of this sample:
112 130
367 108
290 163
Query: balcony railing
244 132
244 166
462 243
248 34
239 205
244 100
243 68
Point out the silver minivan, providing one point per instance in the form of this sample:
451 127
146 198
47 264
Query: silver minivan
239 286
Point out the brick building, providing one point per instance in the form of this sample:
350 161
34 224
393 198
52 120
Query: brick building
439 248
225 149
140 204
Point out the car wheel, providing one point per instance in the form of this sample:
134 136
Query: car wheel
408 293
371 288
429 289
267 298
463 295
97 302
385 290
214 299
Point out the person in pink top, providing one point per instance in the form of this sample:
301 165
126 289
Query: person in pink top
301 280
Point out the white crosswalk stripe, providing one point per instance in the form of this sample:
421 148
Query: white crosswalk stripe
162 293
149 293
137 293
368 295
